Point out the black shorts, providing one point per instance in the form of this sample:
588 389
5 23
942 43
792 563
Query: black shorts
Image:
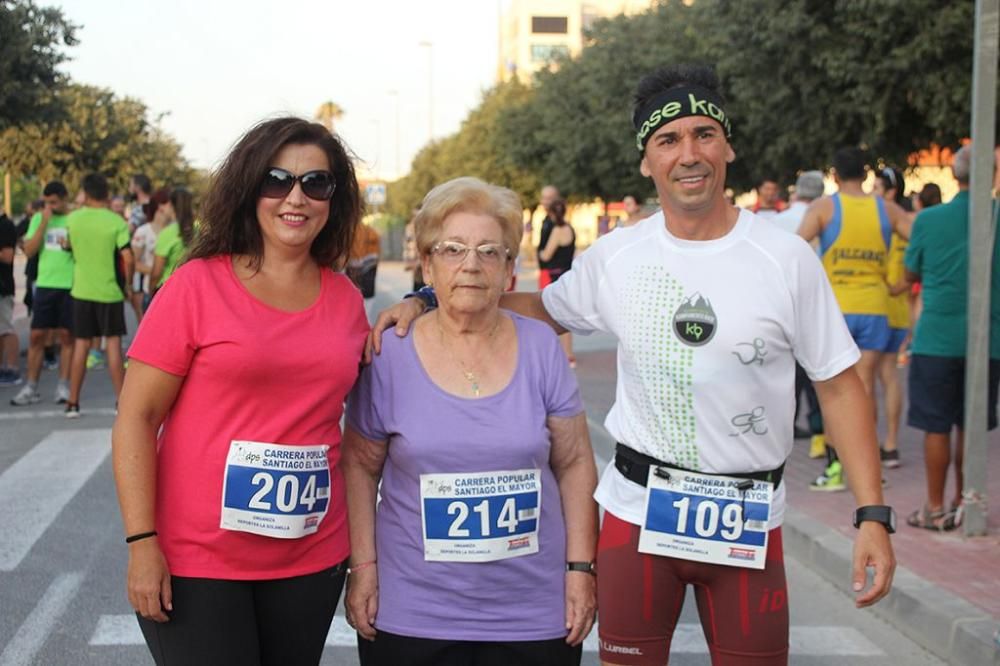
394 650
95 320
281 622
937 393
53 308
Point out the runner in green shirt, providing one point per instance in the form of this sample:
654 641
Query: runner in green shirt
169 250
174 240
98 238
53 307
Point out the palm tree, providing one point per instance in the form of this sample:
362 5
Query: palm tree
328 112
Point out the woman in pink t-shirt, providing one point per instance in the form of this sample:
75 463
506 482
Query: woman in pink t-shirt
227 442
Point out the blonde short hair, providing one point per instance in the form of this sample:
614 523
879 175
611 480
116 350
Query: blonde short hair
469 195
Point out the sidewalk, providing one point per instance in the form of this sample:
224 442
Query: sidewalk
947 589
946 592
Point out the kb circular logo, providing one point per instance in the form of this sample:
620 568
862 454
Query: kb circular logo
695 321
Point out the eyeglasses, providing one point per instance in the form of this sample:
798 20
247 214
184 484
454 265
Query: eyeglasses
454 252
277 183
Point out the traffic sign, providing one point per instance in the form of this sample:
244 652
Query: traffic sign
375 194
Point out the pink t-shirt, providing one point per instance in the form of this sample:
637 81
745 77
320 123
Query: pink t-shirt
252 373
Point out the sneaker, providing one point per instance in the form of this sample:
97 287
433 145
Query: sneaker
817 446
831 480
28 395
9 377
890 459
95 360
51 364
72 410
62 394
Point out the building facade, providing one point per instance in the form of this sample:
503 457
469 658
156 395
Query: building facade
534 32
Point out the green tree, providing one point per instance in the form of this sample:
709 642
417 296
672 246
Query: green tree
95 131
328 114
476 149
805 77
31 38
576 130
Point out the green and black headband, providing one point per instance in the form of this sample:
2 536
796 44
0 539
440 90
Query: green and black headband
678 103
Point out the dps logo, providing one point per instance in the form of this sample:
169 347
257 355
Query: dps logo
695 321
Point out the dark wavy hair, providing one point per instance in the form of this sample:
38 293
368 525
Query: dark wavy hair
229 213
182 201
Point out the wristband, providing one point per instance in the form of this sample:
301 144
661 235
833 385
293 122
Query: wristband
425 294
359 567
140 536
585 567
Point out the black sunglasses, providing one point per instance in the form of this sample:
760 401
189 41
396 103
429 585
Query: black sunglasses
277 183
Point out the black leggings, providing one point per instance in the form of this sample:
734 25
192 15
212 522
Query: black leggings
246 623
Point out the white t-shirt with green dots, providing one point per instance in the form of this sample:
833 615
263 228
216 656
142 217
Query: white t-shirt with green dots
708 335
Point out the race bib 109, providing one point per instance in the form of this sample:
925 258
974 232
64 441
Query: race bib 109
707 518
480 516
275 490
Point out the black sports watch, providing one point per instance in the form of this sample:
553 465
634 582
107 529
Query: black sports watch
877 513
585 567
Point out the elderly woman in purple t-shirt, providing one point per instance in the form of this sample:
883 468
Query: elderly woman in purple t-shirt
480 547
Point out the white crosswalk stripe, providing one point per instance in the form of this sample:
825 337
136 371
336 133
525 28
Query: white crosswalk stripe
34 490
688 638
54 413
35 630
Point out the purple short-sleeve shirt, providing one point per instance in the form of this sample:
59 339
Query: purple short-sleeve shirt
430 431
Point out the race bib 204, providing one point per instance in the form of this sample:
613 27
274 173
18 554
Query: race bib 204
707 518
275 490
480 516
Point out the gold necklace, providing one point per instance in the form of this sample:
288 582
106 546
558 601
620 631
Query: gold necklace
469 375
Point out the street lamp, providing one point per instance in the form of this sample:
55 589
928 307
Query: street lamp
430 91
395 94
377 124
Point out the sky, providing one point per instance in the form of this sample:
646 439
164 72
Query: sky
213 68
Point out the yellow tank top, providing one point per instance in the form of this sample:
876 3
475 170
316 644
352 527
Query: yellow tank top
899 306
855 249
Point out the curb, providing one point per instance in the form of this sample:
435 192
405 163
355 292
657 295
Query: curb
937 620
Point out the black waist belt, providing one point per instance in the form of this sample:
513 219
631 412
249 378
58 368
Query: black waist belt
634 466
